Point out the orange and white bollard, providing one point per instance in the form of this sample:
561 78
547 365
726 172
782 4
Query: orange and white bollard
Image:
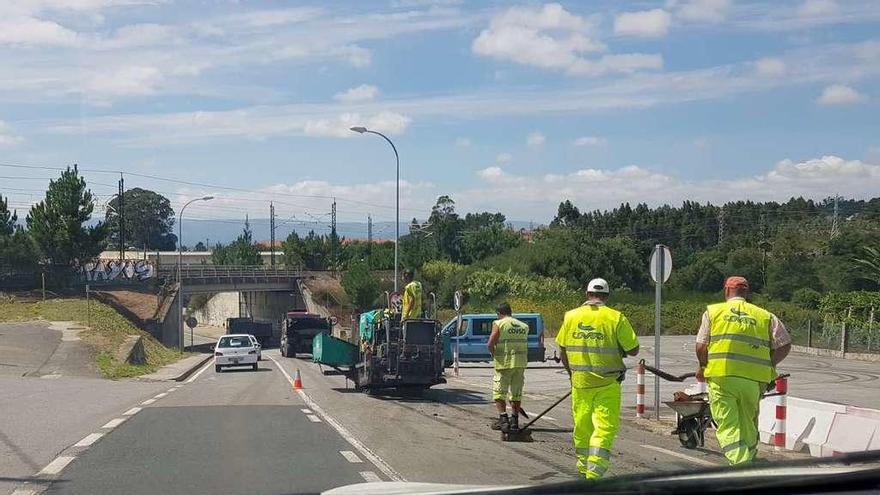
781 413
297 381
640 390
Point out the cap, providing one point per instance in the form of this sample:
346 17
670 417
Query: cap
598 285
736 282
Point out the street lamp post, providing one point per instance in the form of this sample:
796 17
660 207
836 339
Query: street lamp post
362 130
179 263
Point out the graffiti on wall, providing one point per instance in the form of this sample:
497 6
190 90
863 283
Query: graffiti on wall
118 270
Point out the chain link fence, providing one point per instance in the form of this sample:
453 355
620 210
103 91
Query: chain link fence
861 336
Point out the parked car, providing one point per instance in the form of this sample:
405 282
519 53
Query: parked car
473 337
258 346
236 350
298 330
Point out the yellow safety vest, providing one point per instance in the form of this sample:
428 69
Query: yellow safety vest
511 350
739 341
412 300
592 346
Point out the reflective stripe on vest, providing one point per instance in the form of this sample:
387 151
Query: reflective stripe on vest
511 350
593 352
739 341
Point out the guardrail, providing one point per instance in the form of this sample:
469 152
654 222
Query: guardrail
216 273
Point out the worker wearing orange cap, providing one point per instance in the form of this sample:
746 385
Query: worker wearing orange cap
738 347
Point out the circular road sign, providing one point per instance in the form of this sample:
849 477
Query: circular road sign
661 253
458 300
191 321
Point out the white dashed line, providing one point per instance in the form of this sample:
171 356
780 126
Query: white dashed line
22 490
350 456
307 411
172 389
56 466
364 451
370 476
198 373
548 418
313 418
113 423
132 411
88 440
699 462
159 396
148 402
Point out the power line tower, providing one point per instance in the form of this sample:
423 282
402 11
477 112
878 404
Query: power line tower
835 220
272 232
721 226
121 204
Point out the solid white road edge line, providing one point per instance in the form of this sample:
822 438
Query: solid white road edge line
113 423
306 411
699 462
56 465
132 411
370 476
366 452
548 418
350 456
313 418
88 440
159 396
198 373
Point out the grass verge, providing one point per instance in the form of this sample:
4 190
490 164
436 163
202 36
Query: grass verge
107 333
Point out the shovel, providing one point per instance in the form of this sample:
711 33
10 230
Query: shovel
524 434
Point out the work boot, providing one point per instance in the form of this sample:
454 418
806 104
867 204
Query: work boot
502 423
514 422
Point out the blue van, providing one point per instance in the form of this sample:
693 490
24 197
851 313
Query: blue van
474 336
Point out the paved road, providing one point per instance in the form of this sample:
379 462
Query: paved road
50 397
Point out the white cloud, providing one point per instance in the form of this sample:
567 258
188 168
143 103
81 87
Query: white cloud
363 92
645 24
8 138
840 94
126 81
535 140
703 10
504 158
462 142
770 67
589 141
818 8
607 188
386 122
32 31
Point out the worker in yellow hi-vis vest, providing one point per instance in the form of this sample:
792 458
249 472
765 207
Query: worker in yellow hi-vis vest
508 345
738 347
412 297
592 341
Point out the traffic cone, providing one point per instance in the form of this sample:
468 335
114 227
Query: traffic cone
297 381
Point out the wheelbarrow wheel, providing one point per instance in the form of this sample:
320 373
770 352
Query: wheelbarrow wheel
689 434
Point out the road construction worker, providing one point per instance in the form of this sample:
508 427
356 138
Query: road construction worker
738 346
592 341
508 345
412 297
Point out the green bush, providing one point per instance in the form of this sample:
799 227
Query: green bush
806 297
850 306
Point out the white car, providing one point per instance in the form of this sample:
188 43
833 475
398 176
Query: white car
236 350
258 346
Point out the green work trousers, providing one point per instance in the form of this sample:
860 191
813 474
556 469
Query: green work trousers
596 413
508 384
734 403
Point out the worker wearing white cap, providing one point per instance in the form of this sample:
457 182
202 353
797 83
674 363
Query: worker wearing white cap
593 340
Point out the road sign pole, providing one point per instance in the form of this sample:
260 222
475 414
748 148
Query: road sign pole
457 302
658 289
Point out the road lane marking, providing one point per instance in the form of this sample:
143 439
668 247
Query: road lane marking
88 440
370 477
307 411
148 402
113 423
313 418
344 433
159 396
198 373
548 418
350 456
132 411
23 490
699 462
56 465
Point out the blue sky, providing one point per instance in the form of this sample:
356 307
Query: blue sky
507 107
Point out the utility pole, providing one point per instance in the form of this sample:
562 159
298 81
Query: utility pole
121 217
835 225
721 226
272 233
333 238
370 235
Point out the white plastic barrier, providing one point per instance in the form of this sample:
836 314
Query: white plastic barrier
809 423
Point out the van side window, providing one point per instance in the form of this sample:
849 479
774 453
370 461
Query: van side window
532 323
482 327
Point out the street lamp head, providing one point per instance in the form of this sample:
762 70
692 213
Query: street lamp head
207 198
359 129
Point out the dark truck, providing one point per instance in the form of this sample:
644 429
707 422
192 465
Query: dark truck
407 355
263 330
298 330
